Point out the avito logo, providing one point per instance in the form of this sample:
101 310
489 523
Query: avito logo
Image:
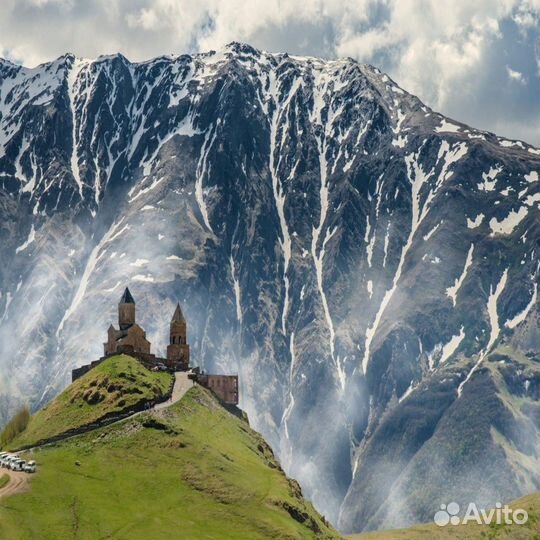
449 514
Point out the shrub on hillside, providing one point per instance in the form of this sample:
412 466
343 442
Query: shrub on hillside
15 426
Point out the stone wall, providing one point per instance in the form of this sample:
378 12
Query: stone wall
225 387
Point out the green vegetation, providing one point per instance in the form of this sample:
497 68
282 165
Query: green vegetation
192 471
4 480
15 426
117 384
529 531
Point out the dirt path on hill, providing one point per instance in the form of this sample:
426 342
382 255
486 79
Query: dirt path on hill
181 385
18 481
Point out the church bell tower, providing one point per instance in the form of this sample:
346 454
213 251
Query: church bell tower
178 349
126 311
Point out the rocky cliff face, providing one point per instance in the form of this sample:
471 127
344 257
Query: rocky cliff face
368 266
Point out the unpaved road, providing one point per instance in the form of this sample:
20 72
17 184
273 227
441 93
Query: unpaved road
181 385
18 482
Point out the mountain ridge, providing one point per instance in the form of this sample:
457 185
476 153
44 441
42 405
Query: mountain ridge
341 246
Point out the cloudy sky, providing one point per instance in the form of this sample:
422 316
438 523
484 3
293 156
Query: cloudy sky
474 60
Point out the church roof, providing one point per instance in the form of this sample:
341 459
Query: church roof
178 315
127 298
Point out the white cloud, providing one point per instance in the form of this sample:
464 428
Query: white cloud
441 51
515 75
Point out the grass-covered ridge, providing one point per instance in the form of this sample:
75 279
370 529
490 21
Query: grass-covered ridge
193 471
471 531
117 384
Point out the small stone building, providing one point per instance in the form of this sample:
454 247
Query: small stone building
225 387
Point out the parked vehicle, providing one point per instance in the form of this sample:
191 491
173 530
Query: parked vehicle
30 467
18 464
8 461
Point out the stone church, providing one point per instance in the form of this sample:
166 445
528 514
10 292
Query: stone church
130 339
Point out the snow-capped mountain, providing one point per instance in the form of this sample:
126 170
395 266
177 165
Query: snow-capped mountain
369 267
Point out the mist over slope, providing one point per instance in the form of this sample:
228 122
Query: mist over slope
369 267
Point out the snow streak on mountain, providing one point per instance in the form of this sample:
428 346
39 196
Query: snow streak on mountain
368 266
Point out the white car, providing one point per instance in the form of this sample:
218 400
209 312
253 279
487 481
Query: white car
18 464
30 467
7 461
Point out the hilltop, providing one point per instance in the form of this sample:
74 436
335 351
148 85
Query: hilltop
193 470
120 384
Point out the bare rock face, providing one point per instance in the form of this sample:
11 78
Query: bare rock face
368 266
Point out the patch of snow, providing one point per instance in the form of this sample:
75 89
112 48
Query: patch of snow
386 244
432 232
532 199
407 392
142 191
509 223
454 289
520 317
144 278
494 325
201 172
447 127
490 179
450 348
370 288
76 68
508 144
236 288
287 412
532 177
113 288
29 240
476 222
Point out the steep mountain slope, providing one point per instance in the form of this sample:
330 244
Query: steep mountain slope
190 471
355 256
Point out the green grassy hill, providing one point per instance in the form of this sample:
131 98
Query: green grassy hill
117 384
471 531
193 471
